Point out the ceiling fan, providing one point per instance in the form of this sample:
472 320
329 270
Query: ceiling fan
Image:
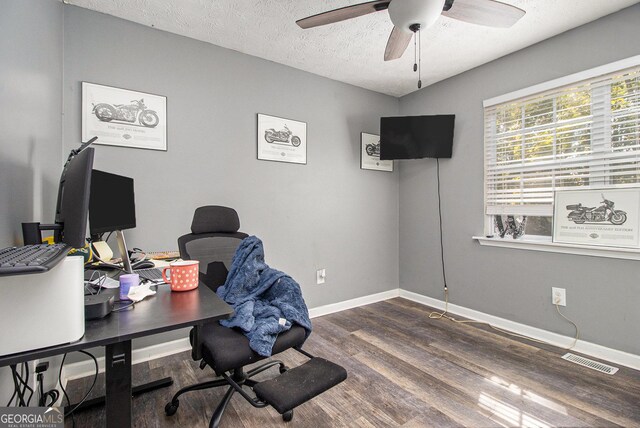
411 16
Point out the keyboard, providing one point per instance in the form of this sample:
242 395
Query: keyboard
31 258
151 274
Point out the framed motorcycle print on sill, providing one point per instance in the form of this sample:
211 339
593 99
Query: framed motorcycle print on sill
122 117
282 140
370 154
607 217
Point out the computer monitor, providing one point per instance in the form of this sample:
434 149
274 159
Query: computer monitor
72 204
112 204
73 199
112 208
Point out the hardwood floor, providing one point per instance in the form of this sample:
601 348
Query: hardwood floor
406 370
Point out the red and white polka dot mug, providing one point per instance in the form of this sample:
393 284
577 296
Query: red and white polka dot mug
183 275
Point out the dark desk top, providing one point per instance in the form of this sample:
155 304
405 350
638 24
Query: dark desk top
165 311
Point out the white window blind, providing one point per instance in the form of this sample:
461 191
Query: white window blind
582 135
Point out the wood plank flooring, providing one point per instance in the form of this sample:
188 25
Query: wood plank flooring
405 370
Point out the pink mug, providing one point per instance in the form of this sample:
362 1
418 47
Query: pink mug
183 275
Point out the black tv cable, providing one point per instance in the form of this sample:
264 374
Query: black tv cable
444 274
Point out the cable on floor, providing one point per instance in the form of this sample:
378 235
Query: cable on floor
445 315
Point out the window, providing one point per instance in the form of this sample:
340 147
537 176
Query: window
579 131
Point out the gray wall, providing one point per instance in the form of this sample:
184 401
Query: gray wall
326 214
30 124
602 294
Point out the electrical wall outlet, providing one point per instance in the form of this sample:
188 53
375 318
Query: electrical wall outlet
320 276
559 296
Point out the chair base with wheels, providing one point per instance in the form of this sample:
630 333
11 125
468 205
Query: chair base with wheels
213 242
291 388
236 382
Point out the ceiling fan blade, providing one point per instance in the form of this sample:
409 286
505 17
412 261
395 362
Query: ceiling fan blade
343 13
397 44
491 13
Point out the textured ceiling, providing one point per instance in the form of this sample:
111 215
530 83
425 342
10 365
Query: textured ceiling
352 51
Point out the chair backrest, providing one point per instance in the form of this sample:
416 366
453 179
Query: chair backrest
213 241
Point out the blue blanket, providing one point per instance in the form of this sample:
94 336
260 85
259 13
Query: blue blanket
265 301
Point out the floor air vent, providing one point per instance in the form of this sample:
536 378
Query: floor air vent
590 363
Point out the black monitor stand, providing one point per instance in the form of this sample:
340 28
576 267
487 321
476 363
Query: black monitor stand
32 232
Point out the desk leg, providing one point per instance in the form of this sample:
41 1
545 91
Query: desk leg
118 384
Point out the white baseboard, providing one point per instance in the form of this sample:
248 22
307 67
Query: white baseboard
86 368
598 351
353 303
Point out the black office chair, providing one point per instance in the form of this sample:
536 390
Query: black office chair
213 241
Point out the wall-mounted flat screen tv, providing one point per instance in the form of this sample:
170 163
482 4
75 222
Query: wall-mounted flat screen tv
416 137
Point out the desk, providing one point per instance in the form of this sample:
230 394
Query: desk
163 312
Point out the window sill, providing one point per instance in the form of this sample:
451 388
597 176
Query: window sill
545 244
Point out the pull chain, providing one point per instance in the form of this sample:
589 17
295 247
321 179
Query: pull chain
419 59
415 54
417 46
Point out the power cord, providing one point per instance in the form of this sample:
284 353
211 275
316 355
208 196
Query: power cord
64 391
20 385
444 274
127 306
575 340
16 388
95 378
25 367
52 394
15 392
89 284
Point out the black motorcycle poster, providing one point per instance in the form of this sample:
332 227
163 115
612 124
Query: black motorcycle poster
122 117
370 153
282 140
608 217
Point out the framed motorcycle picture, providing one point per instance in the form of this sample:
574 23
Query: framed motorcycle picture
607 217
282 140
122 117
370 154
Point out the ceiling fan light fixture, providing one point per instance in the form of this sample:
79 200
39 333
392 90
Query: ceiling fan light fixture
404 13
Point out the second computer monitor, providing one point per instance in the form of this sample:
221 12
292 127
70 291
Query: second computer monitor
112 204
